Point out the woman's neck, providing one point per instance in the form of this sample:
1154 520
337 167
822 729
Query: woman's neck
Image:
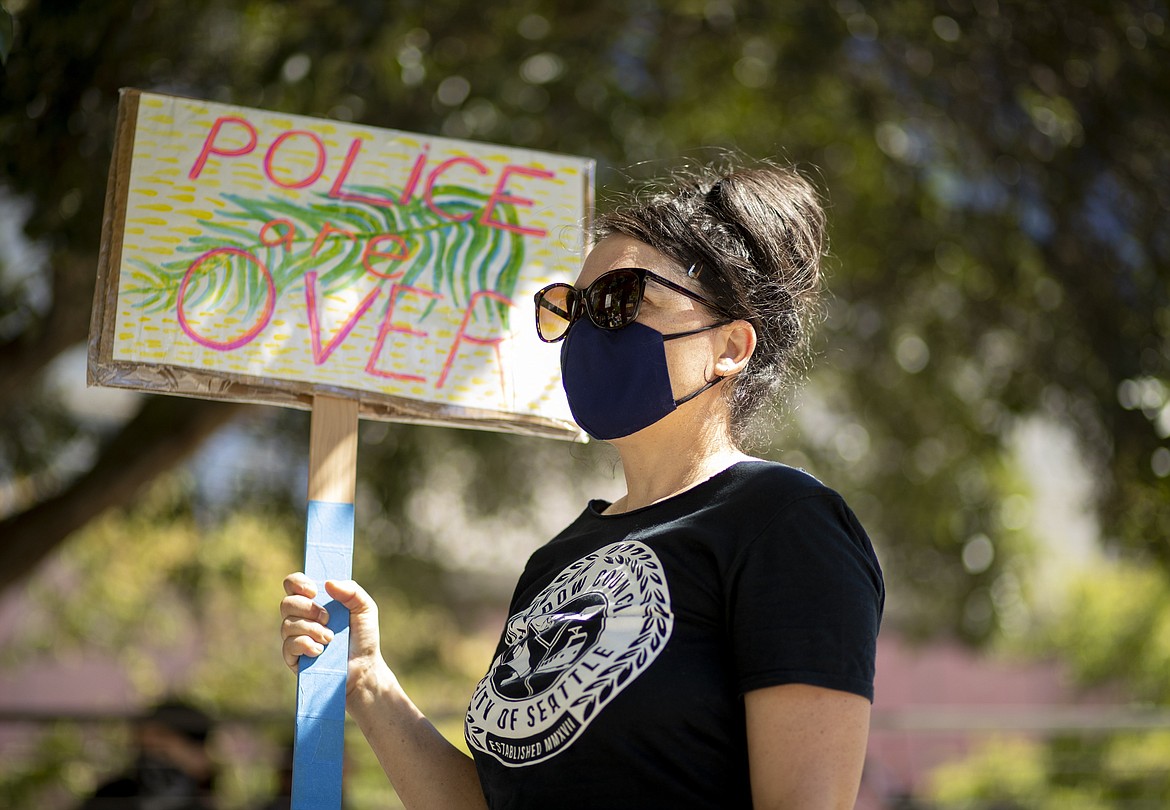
656 469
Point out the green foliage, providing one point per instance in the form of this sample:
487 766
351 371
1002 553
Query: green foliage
1076 773
1110 628
1002 773
486 257
1114 626
64 763
195 586
1133 767
152 588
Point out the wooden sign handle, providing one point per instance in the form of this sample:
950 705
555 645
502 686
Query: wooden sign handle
319 748
333 449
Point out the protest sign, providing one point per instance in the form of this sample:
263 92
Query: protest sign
265 257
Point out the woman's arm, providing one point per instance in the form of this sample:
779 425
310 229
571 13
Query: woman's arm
426 770
806 746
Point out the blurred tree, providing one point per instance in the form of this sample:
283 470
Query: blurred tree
187 610
997 174
1112 627
1115 612
1025 181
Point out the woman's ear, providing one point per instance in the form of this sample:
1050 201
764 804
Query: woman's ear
739 345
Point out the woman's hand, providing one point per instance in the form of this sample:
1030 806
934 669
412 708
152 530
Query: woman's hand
426 770
304 632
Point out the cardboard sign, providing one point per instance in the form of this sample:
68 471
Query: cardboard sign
264 257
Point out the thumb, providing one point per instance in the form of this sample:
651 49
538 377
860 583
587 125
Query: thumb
351 595
363 622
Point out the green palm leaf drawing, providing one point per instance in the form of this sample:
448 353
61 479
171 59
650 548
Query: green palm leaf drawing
451 253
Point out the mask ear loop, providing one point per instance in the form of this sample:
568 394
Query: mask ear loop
710 383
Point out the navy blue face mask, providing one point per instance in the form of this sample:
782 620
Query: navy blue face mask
616 380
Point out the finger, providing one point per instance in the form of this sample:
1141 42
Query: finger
295 628
302 607
294 648
299 585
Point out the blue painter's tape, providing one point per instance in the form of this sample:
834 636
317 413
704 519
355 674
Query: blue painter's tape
319 749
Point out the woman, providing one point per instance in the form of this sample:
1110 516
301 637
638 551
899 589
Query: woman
708 639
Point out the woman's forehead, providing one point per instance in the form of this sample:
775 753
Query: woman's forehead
619 250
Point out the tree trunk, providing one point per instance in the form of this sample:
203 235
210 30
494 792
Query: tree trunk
165 432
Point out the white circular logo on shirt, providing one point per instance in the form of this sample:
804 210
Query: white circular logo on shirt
583 639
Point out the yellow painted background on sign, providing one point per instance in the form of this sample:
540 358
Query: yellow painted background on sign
167 209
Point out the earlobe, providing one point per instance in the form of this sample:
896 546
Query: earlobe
740 345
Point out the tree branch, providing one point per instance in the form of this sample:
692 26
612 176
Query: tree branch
165 432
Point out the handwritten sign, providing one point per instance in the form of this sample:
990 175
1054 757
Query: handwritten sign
264 257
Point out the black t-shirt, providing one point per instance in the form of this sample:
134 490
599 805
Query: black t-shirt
619 678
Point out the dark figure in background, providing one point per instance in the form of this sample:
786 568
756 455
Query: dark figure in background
172 770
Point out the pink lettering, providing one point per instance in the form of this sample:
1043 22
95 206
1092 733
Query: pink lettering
389 326
461 336
286 239
428 194
502 196
401 253
209 144
257 328
272 150
321 355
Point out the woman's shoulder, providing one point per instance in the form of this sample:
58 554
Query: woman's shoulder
785 505
774 481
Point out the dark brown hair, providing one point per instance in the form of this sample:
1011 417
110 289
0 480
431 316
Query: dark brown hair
756 236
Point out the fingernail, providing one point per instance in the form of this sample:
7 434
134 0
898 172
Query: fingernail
328 636
317 648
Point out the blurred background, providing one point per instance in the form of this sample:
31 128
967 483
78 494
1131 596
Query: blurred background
991 391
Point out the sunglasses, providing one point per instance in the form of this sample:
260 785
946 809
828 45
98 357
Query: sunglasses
611 302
